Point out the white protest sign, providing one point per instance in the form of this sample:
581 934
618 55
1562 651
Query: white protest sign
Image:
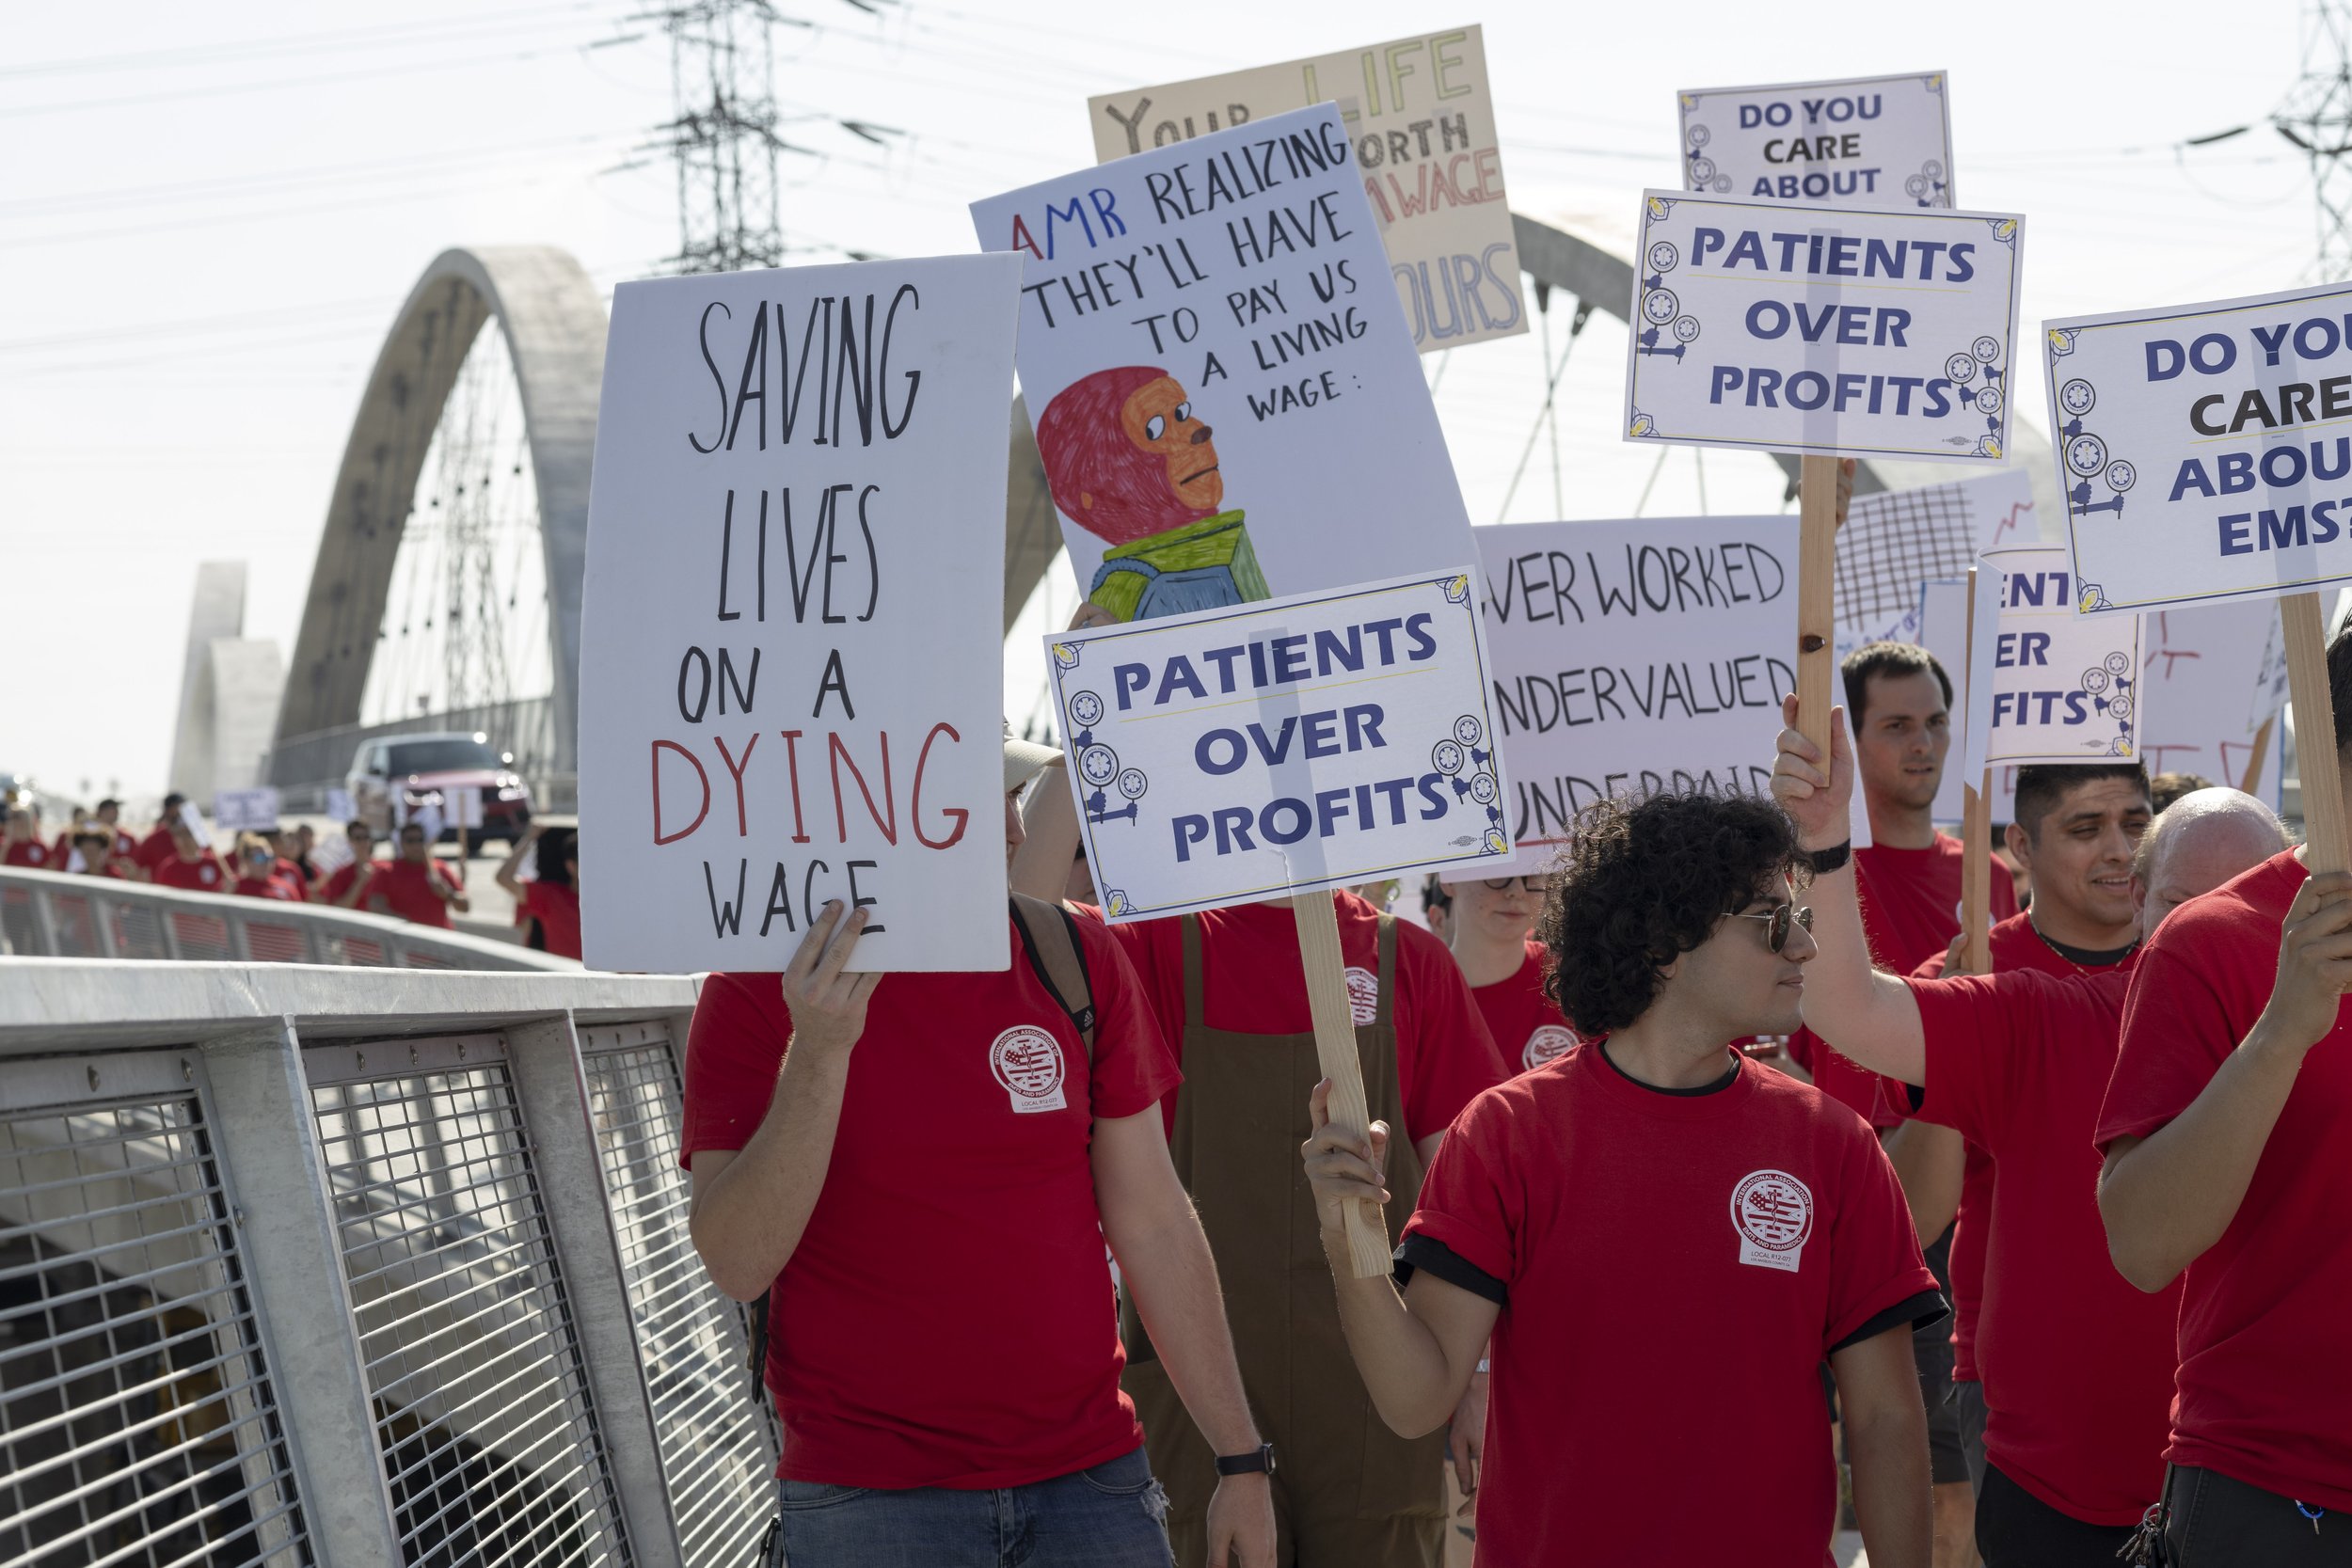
1894 541
427 815
331 854
1630 656
791 656
1423 122
339 807
463 806
1941 627
1871 141
1316 741
2046 684
1807 329
1226 395
239 810
2201 449
192 818
2213 679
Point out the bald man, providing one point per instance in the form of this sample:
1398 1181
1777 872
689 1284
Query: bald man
2076 1364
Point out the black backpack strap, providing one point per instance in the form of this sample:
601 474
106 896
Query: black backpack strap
757 1315
1049 934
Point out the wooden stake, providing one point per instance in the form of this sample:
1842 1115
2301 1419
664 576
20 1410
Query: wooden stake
2251 782
2314 733
1335 1052
1817 589
1975 865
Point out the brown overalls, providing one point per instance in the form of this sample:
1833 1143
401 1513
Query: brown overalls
1348 1492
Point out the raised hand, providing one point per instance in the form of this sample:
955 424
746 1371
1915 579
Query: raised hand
2314 961
828 1005
1814 796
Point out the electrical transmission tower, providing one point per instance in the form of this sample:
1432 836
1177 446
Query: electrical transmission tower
723 136
2317 118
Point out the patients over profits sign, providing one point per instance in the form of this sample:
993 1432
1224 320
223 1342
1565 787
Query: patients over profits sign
1316 741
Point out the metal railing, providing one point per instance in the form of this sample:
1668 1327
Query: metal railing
47 914
321 1266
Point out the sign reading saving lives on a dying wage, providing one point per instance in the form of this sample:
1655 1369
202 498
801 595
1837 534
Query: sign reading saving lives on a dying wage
2046 684
1795 327
2203 449
1875 141
1630 656
791 650
1226 395
1423 122
1314 741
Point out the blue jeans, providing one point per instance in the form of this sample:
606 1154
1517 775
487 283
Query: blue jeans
1111 1516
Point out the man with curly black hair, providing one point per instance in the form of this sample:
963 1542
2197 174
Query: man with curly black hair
1663 1239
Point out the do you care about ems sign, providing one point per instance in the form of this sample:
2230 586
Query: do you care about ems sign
2203 449
1316 741
1792 327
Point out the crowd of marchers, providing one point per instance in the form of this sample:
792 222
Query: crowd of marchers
1727 1209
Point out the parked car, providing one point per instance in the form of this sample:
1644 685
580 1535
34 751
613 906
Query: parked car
438 768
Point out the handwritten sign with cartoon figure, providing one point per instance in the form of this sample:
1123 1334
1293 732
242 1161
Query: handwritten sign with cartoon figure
1225 394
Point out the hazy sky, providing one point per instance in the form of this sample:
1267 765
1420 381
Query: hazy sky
210 214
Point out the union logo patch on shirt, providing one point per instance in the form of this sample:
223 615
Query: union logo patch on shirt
1772 1212
1028 1062
1549 1042
1363 996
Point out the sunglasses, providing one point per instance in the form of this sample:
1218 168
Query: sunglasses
1537 883
1778 923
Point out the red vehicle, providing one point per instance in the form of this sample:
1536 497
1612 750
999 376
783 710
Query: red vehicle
439 770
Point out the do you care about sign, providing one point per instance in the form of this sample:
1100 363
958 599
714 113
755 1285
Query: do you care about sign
1317 742
2203 450
1820 329
791 660
1874 141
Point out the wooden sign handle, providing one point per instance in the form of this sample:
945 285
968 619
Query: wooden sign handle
1817 589
1335 1052
2251 781
2304 626
1975 865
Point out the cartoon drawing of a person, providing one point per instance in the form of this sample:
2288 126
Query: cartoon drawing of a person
1129 460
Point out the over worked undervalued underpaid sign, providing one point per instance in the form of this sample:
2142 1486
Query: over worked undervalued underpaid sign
1787 327
1317 742
2203 449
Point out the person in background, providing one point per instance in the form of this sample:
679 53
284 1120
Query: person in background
193 867
2020 884
1490 933
1609 1215
25 848
286 853
295 845
110 812
96 843
347 884
61 853
552 897
2165 788
261 871
2228 1169
415 886
160 845
1437 907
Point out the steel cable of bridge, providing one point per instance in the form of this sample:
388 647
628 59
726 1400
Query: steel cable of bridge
1551 387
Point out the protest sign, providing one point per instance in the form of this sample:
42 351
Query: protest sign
2216 677
2046 684
791 652
1630 656
1315 741
339 807
1871 141
1750 334
1226 287
243 810
1895 541
1423 123
193 820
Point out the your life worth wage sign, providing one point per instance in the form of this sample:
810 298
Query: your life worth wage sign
1226 395
791 660
1808 328
1422 122
2045 685
2203 449
1316 741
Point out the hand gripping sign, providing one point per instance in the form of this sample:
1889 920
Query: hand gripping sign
1873 141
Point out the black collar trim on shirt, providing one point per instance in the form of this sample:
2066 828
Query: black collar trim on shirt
2087 957
1731 1076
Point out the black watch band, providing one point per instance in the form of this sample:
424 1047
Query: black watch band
1258 1461
1826 861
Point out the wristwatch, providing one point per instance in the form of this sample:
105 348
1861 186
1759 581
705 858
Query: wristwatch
1258 1461
1829 860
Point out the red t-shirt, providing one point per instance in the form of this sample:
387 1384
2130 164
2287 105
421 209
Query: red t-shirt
1910 910
402 886
33 855
155 848
2077 1362
557 909
2261 1394
339 880
947 1318
1676 1268
295 877
274 885
1253 984
1527 1028
2013 944
204 875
